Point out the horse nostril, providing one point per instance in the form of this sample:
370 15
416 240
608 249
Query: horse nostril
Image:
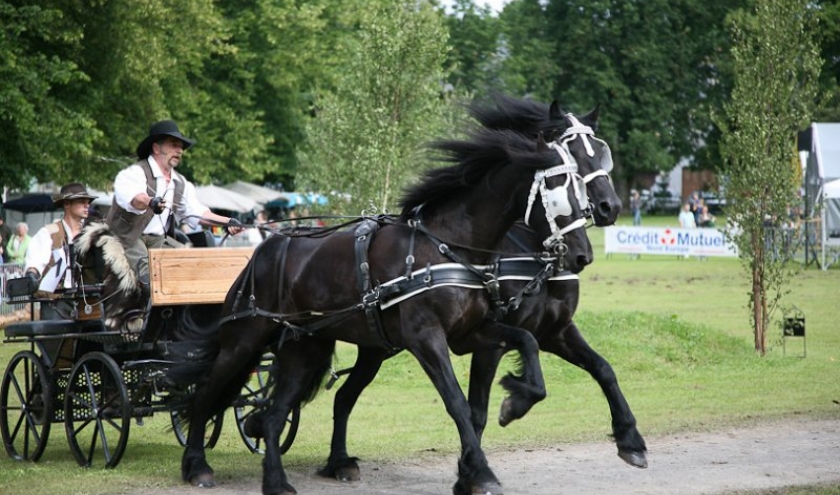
583 260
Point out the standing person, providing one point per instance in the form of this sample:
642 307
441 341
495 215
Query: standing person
5 235
686 217
48 255
150 197
17 245
636 207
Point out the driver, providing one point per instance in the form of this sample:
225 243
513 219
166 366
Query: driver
150 197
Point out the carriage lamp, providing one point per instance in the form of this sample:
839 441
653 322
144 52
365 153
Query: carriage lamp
793 325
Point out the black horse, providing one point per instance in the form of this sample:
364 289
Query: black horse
547 312
406 283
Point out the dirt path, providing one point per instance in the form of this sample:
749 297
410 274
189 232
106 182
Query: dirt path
764 457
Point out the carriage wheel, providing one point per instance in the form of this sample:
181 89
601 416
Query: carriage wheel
253 398
26 407
212 433
97 412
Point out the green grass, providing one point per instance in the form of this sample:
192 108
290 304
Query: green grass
676 332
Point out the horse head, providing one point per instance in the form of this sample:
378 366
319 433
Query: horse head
594 159
560 193
102 260
592 154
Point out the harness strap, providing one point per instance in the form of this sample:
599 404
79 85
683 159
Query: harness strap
370 296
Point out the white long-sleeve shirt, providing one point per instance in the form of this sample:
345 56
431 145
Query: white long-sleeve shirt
131 181
40 251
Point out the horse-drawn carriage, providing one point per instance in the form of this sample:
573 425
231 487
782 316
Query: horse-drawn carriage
95 380
429 281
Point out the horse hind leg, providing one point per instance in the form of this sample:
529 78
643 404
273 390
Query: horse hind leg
340 465
572 347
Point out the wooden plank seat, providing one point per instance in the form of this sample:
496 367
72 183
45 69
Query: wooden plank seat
196 275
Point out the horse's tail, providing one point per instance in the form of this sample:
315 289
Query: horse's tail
193 377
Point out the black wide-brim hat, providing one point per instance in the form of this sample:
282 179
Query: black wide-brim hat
157 131
71 191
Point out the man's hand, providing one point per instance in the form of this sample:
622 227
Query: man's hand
33 281
157 204
234 226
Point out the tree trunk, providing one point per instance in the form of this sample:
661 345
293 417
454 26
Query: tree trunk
759 299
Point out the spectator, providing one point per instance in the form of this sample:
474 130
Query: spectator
636 207
17 245
687 217
706 218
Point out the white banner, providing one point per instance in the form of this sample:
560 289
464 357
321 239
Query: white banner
664 240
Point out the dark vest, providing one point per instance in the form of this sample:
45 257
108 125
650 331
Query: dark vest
129 226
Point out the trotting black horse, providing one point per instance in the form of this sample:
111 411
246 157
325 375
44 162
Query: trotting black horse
547 312
407 283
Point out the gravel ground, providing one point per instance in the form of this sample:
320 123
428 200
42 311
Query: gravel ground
737 459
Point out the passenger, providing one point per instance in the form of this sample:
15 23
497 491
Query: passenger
48 255
149 193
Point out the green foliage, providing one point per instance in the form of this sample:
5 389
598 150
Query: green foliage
387 101
42 132
776 68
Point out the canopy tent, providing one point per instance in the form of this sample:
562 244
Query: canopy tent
260 194
293 199
219 198
821 141
31 203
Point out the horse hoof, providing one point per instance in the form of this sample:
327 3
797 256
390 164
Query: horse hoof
634 458
488 489
348 474
506 415
203 480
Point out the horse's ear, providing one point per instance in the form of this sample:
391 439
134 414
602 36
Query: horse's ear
554 111
591 119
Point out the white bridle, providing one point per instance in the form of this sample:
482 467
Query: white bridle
556 201
585 133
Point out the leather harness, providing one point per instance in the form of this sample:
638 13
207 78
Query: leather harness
536 270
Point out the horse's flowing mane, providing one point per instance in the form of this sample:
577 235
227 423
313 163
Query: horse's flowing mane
484 151
524 115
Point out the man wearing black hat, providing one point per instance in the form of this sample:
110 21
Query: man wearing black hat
48 254
150 197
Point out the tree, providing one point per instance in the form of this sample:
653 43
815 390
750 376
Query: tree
367 130
776 67
41 132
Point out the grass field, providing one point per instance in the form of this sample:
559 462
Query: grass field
675 330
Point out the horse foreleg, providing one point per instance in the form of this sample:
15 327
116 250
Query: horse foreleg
528 387
300 366
571 346
339 464
474 473
483 368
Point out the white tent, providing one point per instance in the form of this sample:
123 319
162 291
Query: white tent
260 194
822 172
219 198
